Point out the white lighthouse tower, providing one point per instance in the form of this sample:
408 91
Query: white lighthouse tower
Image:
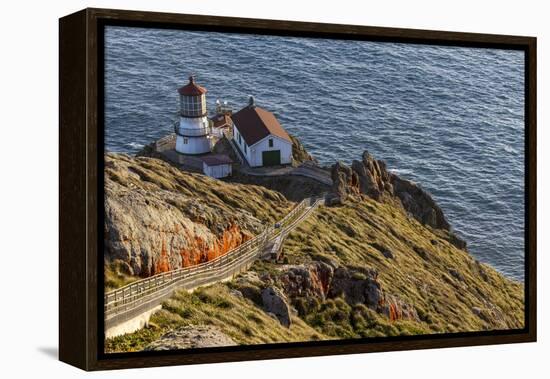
192 130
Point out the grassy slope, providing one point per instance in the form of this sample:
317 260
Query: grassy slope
155 175
124 174
115 278
449 289
236 316
444 284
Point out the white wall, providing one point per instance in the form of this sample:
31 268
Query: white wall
194 123
255 151
193 126
194 145
30 223
241 143
218 171
238 138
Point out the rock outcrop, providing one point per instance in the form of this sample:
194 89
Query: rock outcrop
191 337
275 302
319 281
344 183
360 270
155 222
419 203
370 177
299 152
312 280
374 179
361 286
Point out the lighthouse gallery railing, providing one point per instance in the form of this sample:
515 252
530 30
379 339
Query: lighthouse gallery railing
191 132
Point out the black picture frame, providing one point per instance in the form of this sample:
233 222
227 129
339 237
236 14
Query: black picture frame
81 188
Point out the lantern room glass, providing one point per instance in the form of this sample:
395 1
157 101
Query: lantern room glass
193 106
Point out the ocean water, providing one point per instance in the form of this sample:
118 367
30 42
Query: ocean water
448 118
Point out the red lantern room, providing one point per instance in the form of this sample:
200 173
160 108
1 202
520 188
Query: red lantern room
192 99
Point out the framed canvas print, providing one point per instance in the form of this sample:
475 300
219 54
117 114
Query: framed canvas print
238 189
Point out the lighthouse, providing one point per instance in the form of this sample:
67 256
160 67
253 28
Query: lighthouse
192 130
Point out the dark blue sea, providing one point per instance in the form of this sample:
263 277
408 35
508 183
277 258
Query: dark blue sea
449 118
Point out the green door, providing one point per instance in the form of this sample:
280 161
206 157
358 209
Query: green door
271 158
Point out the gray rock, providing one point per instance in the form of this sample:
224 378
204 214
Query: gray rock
311 280
373 293
388 254
274 301
419 203
191 337
236 293
355 288
361 286
345 183
153 226
248 284
370 177
457 241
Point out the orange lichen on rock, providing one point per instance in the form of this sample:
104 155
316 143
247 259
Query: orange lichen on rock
199 251
395 314
320 280
325 279
231 238
163 264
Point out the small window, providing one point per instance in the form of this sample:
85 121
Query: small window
240 139
271 142
185 141
245 148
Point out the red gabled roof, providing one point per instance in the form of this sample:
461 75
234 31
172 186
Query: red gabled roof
192 89
255 123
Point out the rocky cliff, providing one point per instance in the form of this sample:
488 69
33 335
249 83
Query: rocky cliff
158 218
369 177
299 152
380 261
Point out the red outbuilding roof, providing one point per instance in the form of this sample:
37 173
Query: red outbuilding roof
221 121
255 123
191 88
216 159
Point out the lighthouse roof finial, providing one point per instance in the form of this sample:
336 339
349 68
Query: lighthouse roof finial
192 88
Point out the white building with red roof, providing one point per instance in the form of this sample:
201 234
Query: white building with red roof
260 137
217 165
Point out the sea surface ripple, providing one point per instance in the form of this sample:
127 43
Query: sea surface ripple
448 118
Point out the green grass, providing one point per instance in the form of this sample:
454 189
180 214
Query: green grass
238 317
161 322
158 177
448 288
420 271
116 277
336 318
